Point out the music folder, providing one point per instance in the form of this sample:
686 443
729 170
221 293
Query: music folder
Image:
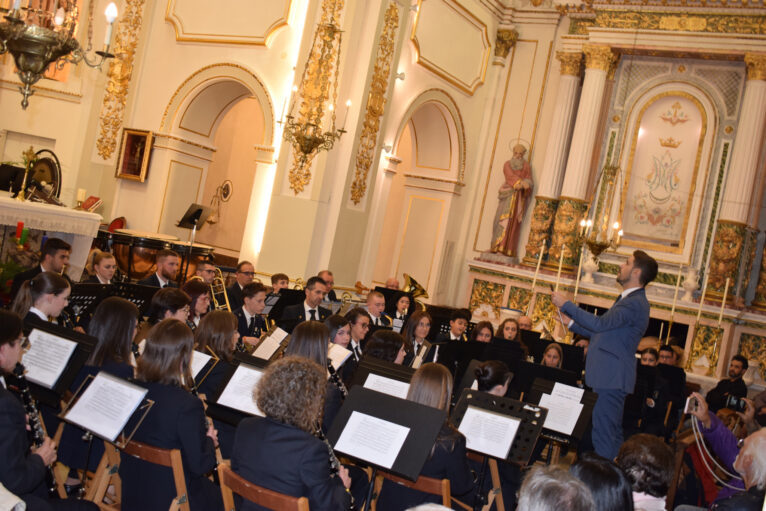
382 376
233 400
385 432
195 216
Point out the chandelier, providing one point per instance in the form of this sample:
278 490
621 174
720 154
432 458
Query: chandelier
312 129
39 37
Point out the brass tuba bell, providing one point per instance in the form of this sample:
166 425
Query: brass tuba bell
412 287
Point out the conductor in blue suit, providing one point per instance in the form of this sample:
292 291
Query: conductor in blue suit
610 368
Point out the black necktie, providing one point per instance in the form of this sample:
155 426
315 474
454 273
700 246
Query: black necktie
313 314
357 355
251 325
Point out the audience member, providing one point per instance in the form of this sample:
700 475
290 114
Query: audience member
731 386
647 461
551 488
608 485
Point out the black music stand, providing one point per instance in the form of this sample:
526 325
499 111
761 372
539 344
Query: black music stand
193 219
390 297
287 297
528 372
373 365
588 401
140 296
84 299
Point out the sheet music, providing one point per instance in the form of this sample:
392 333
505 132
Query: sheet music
388 386
106 405
278 334
337 355
488 432
47 357
397 325
567 392
238 393
562 413
267 348
198 361
374 440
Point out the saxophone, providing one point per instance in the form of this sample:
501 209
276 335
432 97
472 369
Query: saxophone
35 423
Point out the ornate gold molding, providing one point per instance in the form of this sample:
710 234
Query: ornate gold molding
570 62
598 56
723 23
756 66
504 41
565 228
120 72
376 102
540 228
725 258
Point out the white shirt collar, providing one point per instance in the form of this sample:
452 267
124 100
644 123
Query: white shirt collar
163 282
247 315
628 291
102 281
37 312
308 308
2 382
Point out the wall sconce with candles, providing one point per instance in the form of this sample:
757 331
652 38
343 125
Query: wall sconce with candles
38 38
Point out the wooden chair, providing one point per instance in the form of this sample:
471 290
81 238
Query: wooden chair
430 485
106 474
232 483
496 492
167 458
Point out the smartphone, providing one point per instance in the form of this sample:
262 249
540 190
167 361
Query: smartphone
691 404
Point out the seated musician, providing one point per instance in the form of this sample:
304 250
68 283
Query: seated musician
310 308
279 451
458 322
206 271
402 305
250 323
415 332
279 281
329 279
54 258
510 331
340 334
113 325
201 297
217 335
43 297
176 421
392 283
653 413
23 469
386 345
100 267
376 305
243 276
431 385
167 303
483 332
168 264
553 356
359 320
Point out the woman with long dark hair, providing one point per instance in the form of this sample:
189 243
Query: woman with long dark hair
415 332
200 296
482 332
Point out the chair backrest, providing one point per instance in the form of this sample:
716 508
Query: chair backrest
234 483
425 484
166 458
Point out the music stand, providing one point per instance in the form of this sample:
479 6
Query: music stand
287 297
528 372
588 401
390 296
374 365
140 296
193 219
85 297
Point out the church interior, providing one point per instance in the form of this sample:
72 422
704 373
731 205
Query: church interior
492 150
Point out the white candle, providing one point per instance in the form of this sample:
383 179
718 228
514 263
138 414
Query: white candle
662 326
81 194
345 116
111 15
16 5
723 302
537 271
561 263
702 298
675 293
577 282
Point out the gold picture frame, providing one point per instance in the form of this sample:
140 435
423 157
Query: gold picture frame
135 152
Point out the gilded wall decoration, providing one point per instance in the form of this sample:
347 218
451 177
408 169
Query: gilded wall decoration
484 291
753 348
723 23
759 301
504 41
540 228
545 311
518 298
725 257
565 232
751 244
120 71
706 345
376 102
571 62
756 66
598 56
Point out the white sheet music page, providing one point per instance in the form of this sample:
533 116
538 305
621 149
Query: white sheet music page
397 325
198 361
106 405
567 392
238 393
374 440
488 432
337 355
562 413
267 348
386 385
47 357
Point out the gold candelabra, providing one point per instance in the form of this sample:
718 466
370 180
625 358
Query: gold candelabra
597 232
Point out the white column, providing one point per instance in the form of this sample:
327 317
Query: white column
598 59
552 172
745 155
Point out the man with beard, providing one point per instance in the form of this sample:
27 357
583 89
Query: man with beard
610 368
731 386
512 202
168 263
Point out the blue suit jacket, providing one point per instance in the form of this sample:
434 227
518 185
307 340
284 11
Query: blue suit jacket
614 337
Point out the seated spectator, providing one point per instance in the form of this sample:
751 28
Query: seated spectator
648 463
551 488
731 386
759 403
608 485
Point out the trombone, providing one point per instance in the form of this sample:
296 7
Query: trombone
217 291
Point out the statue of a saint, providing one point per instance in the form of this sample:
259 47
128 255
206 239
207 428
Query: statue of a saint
512 202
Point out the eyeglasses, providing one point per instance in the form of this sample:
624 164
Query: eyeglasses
208 271
24 343
186 309
248 273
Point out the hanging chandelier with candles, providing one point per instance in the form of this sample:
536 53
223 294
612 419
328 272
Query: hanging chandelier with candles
39 35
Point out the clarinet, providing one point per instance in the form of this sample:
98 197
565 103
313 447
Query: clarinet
335 378
334 461
66 320
35 423
206 423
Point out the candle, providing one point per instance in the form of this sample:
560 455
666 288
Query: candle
662 326
81 195
577 281
20 228
561 263
723 302
675 293
111 15
292 99
702 298
24 235
345 116
16 5
537 271
582 227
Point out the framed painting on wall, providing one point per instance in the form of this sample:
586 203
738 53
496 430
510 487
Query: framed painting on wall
135 151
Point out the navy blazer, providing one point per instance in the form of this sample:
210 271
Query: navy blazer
614 337
209 387
242 326
24 276
176 421
20 472
288 460
234 294
297 311
153 281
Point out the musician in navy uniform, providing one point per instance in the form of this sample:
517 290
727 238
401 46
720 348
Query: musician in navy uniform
23 470
250 323
168 264
309 309
376 305
329 280
54 258
243 276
